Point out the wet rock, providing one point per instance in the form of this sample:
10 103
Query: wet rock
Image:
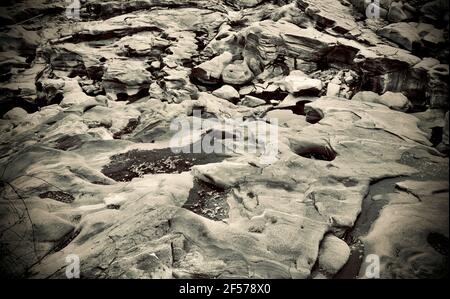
69 142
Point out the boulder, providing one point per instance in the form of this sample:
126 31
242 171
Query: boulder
237 73
226 92
15 114
126 77
333 254
297 82
396 13
403 34
252 102
209 72
393 100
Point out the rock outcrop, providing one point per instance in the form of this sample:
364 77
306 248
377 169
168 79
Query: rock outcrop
306 108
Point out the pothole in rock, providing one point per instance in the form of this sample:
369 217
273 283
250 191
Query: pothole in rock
136 163
208 201
277 95
439 243
58 196
312 116
203 85
43 101
317 152
123 96
299 108
113 206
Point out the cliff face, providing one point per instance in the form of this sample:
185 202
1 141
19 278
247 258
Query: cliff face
353 113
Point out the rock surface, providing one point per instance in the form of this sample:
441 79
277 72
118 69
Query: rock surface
90 109
333 254
424 210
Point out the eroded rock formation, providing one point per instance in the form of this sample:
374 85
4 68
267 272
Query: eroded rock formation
87 107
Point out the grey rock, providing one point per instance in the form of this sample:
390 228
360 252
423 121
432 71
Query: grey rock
333 254
403 34
211 71
250 101
15 114
237 73
226 92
